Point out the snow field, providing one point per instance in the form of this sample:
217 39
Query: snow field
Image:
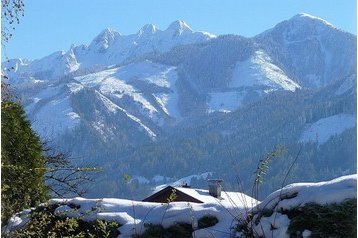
322 130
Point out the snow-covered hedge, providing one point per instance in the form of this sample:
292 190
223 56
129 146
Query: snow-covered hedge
324 209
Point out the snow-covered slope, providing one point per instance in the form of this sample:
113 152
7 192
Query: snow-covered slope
51 112
143 92
322 130
259 70
256 75
311 49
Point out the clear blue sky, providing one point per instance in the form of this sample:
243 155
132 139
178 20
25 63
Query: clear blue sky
51 25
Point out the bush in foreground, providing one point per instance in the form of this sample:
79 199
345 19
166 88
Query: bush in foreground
311 220
44 224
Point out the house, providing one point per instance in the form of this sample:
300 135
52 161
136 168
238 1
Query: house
173 194
187 194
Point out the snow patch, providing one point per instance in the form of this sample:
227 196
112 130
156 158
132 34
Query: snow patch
55 118
322 130
113 108
306 16
225 101
259 70
75 87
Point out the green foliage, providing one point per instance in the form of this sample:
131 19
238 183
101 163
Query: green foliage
207 221
333 220
173 196
263 165
179 230
127 178
22 162
45 224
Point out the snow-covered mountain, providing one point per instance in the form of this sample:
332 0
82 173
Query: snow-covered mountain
155 87
313 51
108 48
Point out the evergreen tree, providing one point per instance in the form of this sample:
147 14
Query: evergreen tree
22 162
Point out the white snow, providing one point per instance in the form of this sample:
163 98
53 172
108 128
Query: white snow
112 107
322 193
52 112
147 71
168 103
259 70
264 228
94 79
110 47
322 130
230 209
117 82
225 101
75 87
160 75
133 215
305 16
52 66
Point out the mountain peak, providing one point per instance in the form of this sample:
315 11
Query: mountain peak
307 17
104 39
108 32
179 26
148 29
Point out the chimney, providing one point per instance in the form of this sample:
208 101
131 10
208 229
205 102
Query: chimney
215 187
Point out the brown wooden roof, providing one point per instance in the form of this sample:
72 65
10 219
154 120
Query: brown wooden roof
163 195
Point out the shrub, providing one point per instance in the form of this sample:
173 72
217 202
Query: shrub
333 220
179 230
44 224
207 221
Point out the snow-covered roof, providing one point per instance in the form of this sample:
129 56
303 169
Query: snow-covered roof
227 198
